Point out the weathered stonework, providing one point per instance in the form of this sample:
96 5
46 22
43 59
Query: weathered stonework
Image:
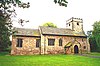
56 49
74 40
28 46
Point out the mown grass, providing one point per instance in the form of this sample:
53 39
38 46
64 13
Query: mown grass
48 60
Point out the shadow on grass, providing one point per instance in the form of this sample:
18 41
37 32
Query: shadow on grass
4 53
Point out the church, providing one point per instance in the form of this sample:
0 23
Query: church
49 40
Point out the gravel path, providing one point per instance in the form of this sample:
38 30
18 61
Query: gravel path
90 56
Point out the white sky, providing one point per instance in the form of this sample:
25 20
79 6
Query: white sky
42 11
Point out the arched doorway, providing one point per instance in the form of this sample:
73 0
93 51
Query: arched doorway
76 50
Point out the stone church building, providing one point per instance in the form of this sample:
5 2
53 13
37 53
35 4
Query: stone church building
49 40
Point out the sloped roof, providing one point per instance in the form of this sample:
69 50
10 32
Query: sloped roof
26 32
60 31
47 31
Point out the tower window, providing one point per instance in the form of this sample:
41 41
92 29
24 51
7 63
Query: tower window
77 23
69 24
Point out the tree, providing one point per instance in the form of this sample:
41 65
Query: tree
7 11
96 33
92 42
49 24
61 2
93 45
4 34
89 33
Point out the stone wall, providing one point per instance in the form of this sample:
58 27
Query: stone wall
56 49
75 24
28 46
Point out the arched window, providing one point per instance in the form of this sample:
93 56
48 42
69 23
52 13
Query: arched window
82 40
69 24
77 23
60 42
37 43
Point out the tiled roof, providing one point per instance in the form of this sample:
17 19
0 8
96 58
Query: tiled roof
47 31
60 31
26 32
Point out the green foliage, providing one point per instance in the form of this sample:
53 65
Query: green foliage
96 28
61 2
96 34
4 33
48 60
49 24
93 45
6 14
89 33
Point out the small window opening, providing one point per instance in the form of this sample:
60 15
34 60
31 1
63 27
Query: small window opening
60 42
19 42
77 23
84 47
69 24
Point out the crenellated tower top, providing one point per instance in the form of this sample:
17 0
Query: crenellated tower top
75 24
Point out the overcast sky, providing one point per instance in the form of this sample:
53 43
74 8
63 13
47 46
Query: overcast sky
42 11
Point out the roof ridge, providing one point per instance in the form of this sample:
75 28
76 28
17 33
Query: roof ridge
25 28
54 27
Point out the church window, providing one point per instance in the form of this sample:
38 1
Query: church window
77 23
82 40
69 24
60 42
51 42
19 42
84 47
37 42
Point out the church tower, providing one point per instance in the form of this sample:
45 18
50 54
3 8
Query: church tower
75 24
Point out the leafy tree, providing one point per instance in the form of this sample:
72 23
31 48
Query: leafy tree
93 45
92 41
89 33
49 24
4 34
61 2
96 33
7 11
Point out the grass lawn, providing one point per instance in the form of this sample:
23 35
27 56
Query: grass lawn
48 60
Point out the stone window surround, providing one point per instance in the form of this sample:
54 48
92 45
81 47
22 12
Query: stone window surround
60 42
38 43
19 42
51 42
